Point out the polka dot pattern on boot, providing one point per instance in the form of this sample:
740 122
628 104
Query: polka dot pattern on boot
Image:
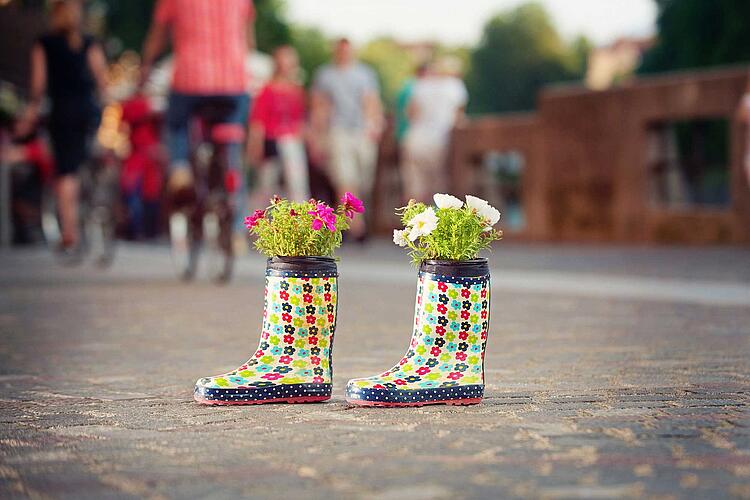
283 391
456 280
460 392
302 274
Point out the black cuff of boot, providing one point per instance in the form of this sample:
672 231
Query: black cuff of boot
457 268
312 265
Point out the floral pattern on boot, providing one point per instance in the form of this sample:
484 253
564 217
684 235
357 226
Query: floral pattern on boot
447 346
299 322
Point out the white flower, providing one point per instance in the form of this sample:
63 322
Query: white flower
399 237
486 211
477 204
447 201
423 224
492 214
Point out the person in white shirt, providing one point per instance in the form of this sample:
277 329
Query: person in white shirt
436 106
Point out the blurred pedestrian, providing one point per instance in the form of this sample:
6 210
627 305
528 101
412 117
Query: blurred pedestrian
346 102
436 105
743 114
141 175
276 144
402 103
210 41
70 67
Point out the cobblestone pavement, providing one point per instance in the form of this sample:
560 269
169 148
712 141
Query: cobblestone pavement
612 372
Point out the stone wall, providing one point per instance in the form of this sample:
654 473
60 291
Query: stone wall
586 176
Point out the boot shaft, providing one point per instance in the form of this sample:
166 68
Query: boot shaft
299 320
451 323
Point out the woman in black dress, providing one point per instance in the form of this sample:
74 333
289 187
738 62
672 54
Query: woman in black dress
70 67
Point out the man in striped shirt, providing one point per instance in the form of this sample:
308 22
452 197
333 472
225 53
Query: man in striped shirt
210 40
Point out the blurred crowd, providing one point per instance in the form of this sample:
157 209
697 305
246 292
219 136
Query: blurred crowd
140 117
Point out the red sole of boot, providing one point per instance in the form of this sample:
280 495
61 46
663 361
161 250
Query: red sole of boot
450 402
308 399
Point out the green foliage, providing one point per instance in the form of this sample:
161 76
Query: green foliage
699 33
128 21
580 50
271 26
519 53
460 234
314 50
287 230
392 64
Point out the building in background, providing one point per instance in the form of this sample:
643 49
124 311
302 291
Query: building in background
611 64
656 161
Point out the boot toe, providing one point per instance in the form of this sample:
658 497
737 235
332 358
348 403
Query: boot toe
204 382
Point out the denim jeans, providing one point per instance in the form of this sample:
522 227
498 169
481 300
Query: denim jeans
181 108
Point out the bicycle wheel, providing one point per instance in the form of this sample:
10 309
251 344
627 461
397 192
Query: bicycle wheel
184 247
217 240
100 217
100 236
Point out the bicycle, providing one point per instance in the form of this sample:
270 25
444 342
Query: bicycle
201 218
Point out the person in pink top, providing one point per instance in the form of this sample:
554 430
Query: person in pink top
276 132
210 39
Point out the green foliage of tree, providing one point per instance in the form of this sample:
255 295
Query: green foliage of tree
520 52
128 21
392 64
699 33
581 48
271 26
314 50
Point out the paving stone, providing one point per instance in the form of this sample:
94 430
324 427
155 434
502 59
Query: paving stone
587 396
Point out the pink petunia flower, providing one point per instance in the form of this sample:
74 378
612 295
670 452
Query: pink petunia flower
352 205
324 217
252 221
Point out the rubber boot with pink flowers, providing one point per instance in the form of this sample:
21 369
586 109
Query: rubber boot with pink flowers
444 363
293 361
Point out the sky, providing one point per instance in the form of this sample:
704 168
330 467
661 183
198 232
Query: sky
461 21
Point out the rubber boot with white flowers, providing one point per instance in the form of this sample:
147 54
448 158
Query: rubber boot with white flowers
445 360
293 361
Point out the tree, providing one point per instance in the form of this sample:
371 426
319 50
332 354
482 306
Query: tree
697 33
127 22
314 50
581 49
271 26
392 64
520 52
